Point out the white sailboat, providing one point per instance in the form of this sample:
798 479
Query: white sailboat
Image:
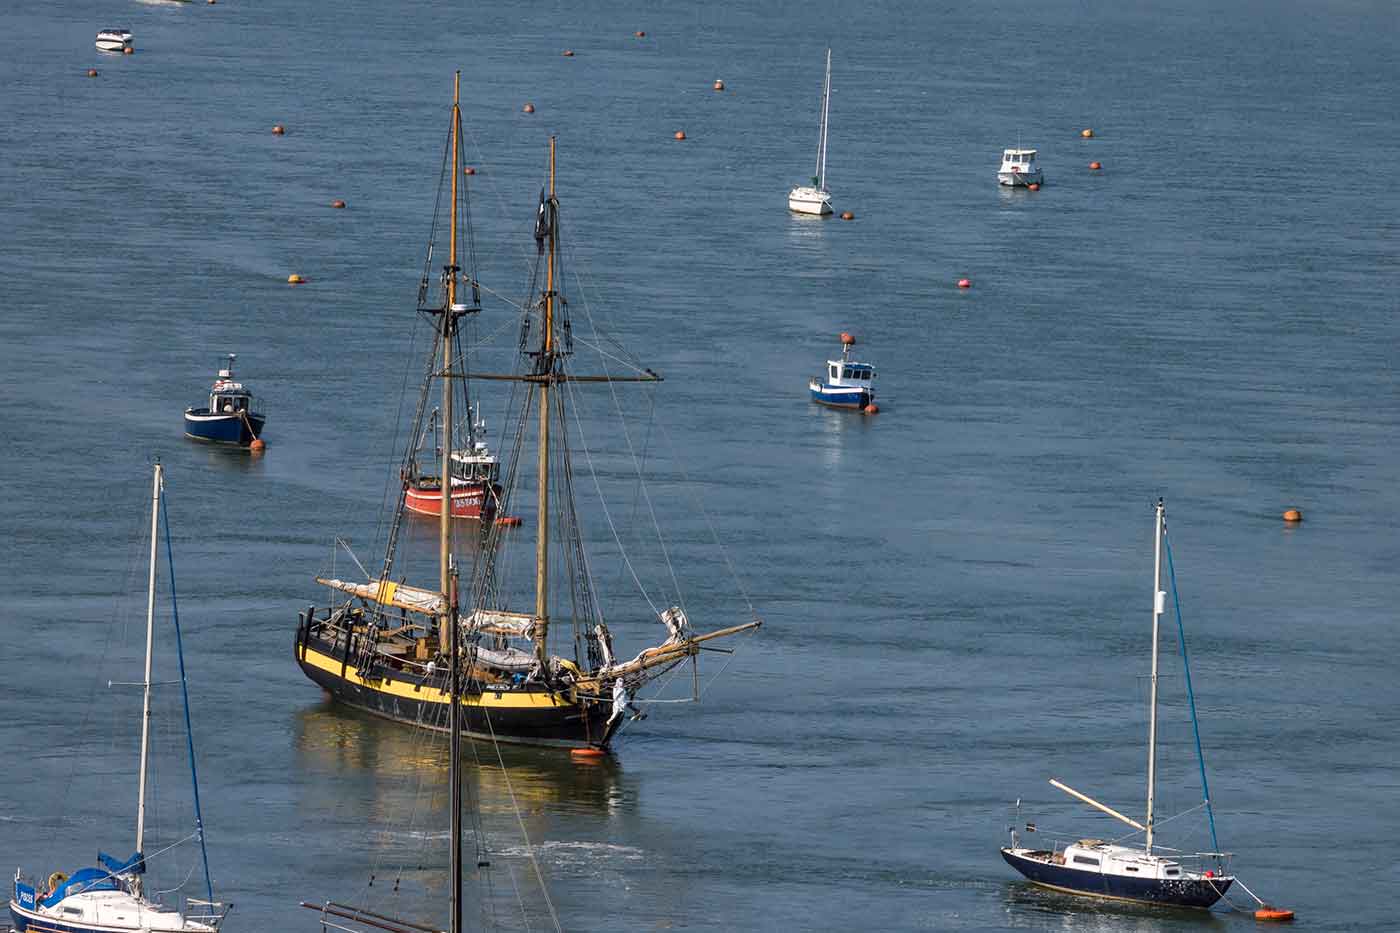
112 897
1110 869
814 198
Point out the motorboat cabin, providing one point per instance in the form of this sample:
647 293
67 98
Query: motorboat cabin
114 40
1020 167
847 383
229 417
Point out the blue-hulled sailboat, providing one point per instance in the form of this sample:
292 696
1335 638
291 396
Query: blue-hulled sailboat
111 897
1110 869
229 418
847 383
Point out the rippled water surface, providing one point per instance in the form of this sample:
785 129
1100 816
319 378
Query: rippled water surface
955 592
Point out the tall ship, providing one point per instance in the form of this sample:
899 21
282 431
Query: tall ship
385 645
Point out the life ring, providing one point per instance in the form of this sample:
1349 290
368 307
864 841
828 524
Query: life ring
56 879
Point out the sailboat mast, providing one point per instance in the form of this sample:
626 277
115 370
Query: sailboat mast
547 367
454 775
146 683
448 321
826 107
1158 605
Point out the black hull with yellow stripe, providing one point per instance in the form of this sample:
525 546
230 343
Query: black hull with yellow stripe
527 714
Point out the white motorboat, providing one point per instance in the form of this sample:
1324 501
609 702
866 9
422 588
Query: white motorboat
114 40
814 198
1019 168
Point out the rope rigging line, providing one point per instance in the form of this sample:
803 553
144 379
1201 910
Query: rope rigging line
1190 693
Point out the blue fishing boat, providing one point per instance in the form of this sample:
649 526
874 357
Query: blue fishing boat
112 896
847 383
229 417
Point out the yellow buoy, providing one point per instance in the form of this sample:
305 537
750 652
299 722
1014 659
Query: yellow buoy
295 279
1292 516
1087 134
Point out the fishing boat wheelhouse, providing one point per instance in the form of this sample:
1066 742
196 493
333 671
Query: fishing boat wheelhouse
476 472
229 417
847 383
1020 167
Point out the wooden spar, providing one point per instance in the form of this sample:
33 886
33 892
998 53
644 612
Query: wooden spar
146 684
546 371
370 918
449 582
1094 803
448 320
662 654
557 378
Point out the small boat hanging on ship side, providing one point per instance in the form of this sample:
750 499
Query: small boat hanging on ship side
229 418
1110 869
814 198
112 896
847 383
386 646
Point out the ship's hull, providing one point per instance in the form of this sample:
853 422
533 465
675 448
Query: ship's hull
1021 179
835 397
221 428
1166 892
527 714
469 499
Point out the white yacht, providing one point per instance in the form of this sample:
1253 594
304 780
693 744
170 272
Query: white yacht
114 40
1019 168
814 198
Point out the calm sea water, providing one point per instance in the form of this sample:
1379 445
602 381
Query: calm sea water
955 591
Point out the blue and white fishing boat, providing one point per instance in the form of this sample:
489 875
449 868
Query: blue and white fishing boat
111 897
847 383
229 418
1111 869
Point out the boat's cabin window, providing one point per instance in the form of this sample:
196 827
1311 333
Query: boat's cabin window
1085 860
231 403
846 373
1132 868
834 371
1173 872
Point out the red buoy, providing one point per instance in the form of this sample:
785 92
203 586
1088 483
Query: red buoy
1034 186
680 134
1273 913
128 51
719 85
568 53
278 129
1095 166
258 445
92 72
847 339
847 215
528 108
468 170
872 409
337 203
639 34
964 283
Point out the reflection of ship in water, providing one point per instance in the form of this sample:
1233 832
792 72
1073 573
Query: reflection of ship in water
402 768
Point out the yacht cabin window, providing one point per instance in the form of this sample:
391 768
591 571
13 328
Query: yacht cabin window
846 374
833 372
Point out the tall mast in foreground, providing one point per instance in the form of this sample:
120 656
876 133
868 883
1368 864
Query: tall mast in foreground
1159 599
146 683
546 369
449 589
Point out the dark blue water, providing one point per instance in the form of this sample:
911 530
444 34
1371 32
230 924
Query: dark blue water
956 591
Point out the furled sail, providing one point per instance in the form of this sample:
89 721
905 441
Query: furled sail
498 622
389 593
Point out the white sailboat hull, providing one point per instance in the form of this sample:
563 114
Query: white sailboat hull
806 200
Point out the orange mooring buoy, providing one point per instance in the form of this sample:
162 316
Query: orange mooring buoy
278 129
337 203
847 215
1272 913
1293 516
128 51
639 34
568 53
92 72
1087 134
468 170
258 445
964 283
1034 186
1095 166
295 279
587 754
680 134
872 409
719 85
528 108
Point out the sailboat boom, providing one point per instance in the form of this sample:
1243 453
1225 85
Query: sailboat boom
1098 806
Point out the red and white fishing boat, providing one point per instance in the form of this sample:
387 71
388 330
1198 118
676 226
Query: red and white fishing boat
476 485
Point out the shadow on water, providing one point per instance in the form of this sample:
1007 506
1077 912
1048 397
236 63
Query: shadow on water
1022 901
